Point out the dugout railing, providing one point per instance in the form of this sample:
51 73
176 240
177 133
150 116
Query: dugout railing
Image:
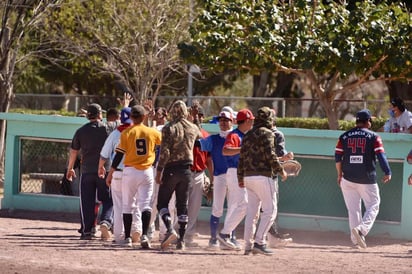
39 144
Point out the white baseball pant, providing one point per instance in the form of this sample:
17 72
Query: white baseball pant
137 191
261 193
236 202
354 194
219 194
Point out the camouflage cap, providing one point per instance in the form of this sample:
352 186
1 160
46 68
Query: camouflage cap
265 117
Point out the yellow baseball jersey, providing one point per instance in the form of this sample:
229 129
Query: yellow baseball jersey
138 144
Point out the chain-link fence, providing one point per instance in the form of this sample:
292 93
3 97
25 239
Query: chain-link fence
286 107
42 165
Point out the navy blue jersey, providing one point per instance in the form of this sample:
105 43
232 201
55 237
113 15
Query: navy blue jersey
358 149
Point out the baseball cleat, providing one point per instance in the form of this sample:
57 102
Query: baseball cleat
144 242
359 237
261 249
224 239
169 239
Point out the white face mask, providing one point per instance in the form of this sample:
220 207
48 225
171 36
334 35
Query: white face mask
223 134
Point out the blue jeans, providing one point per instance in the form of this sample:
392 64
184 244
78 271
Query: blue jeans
90 184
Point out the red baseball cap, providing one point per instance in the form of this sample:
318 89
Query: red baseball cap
244 114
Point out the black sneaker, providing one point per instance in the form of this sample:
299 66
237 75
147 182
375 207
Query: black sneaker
86 236
261 249
180 245
248 251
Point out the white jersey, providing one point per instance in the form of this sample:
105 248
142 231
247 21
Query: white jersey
110 145
399 124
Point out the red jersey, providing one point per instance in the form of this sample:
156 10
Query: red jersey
200 157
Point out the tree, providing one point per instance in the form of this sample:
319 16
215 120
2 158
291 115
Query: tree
336 49
18 18
134 42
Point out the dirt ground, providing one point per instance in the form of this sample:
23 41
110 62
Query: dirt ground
39 242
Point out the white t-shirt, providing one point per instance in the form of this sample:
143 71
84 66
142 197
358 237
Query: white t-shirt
399 124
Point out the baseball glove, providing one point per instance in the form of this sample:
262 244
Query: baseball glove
208 189
292 167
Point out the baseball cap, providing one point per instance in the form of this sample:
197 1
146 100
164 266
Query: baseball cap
93 110
200 110
244 114
225 114
398 102
229 109
266 116
363 115
125 116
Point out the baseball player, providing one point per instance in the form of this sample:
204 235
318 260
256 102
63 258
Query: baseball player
283 155
236 196
355 156
89 140
214 145
258 163
107 154
173 170
158 121
137 144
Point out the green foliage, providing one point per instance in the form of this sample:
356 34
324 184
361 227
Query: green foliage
317 35
316 123
42 112
309 123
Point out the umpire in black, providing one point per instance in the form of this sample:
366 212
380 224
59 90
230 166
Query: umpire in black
88 141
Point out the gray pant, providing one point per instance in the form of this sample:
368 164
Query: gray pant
194 202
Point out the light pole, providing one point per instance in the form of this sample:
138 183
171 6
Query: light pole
192 69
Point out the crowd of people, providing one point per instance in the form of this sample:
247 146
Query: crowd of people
151 164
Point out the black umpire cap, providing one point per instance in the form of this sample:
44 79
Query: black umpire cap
93 110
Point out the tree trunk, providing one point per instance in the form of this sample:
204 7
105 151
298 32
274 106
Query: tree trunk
402 90
284 85
6 91
260 88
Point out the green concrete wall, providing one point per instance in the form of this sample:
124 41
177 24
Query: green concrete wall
311 201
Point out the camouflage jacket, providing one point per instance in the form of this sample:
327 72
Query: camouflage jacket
178 139
257 155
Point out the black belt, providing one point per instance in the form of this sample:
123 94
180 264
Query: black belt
118 169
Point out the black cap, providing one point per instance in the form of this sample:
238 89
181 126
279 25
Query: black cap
363 116
93 110
398 102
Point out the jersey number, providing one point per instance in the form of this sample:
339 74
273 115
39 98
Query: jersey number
141 147
355 143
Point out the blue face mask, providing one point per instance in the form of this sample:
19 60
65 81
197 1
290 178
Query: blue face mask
391 113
